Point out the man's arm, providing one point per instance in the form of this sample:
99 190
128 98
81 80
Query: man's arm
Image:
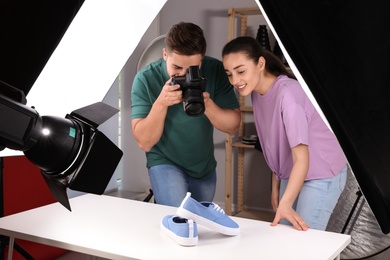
147 131
225 120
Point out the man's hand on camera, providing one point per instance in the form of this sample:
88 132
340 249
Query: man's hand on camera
206 98
170 94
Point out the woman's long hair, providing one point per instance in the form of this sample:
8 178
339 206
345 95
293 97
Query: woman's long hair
253 50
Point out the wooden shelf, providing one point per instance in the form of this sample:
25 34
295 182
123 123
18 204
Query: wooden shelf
234 13
246 109
246 11
256 214
240 144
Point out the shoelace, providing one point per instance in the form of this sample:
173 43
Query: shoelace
217 208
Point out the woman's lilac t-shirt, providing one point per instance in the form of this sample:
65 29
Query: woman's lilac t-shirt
284 118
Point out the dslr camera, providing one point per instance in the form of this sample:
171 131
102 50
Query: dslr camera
193 86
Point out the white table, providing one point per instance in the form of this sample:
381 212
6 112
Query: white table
118 228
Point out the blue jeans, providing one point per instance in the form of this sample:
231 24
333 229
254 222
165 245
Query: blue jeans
170 185
317 199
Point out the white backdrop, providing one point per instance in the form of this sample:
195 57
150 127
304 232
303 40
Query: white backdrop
90 56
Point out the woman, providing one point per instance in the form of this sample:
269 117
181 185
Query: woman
308 163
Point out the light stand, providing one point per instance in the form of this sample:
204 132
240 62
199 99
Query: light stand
359 195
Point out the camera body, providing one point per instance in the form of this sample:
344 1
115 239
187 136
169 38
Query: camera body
193 85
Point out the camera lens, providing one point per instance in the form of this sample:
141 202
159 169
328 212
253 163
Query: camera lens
195 109
193 102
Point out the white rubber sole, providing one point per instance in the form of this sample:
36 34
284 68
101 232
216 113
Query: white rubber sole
183 241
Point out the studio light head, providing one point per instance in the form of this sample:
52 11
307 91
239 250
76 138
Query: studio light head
71 152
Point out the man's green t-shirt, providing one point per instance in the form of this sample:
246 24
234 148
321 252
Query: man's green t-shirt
186 141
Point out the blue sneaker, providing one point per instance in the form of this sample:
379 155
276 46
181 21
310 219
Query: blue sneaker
209 215
182 231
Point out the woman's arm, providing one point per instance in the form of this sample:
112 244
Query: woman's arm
300 154
275 192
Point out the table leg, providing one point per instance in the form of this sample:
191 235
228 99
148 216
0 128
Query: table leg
11 247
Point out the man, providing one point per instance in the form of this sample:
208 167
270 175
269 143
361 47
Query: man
180 148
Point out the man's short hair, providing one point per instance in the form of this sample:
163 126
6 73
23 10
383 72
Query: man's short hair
186 39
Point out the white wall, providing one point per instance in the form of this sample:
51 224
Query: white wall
212 16
134 175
